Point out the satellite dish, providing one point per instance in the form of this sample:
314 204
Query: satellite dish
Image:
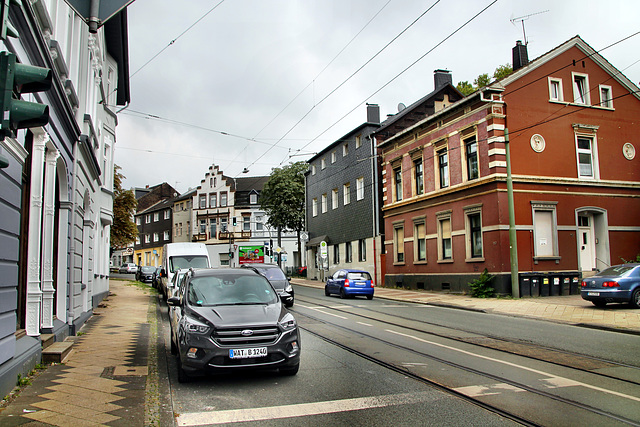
401 107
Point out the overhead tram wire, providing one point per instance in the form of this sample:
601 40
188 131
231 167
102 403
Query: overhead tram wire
318 75
349 78
176 39
402 72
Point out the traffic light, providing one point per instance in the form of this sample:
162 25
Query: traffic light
235 222
16 78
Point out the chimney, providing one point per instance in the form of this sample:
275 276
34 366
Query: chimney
520 56
373 113
441 78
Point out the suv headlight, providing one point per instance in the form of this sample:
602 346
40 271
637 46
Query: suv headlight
288 322
288 288
195 326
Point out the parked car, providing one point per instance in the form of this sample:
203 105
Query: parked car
128 268
349 283
181 255
277 278
173 286
145 273
620 283
157 278
231 319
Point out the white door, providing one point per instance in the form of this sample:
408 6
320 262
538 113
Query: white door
587 247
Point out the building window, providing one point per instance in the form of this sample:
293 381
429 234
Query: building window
345 149
213 228
323 163
314 207
324 203
148 219
445 250
203 201
213 200
348 254
334 198
581 89
313 169
358 141
471 148
223 199
473 229
259 225
138 220
362 250
177 230
397 182
246 223
346 193
336 254
333 156
156 237
418 176
606 99
165 235
360 188
545 229
584 150
147 238
167 214
420 241
156 216
398 244
555 89
223 224
203 226
137 240
253 198
443 168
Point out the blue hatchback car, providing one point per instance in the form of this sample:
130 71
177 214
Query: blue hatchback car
349 283
620 283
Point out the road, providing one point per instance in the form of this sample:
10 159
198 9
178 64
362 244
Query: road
382 362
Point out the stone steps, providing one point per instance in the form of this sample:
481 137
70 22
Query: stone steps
57 352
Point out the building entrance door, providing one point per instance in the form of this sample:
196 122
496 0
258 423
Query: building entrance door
586 242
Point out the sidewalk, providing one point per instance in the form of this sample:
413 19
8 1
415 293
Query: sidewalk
571 309
105 379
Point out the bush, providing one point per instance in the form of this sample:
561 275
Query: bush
480 287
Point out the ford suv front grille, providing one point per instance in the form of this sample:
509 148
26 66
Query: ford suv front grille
260 335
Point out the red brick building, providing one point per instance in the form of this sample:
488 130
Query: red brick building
573 122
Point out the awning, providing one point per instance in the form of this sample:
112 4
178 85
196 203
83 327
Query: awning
315 241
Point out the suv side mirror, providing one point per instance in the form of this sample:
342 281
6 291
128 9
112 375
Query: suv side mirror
163 273
173 301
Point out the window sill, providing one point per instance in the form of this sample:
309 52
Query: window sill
420 262
480 259
537 259
445 261
399 263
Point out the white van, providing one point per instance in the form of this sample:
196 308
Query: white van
181 255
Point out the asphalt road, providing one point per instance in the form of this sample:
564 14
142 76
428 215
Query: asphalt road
387 363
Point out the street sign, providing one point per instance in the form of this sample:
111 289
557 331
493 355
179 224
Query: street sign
96 12
323 249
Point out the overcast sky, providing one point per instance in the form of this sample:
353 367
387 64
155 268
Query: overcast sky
254 83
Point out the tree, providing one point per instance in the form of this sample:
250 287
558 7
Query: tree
465 88
502 71
482 80
123 230
282 198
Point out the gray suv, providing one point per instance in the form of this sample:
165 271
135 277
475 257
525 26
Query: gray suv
231 319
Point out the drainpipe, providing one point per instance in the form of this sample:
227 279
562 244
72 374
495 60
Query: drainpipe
374 199
513 243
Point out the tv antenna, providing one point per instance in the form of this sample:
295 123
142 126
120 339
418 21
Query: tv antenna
522 19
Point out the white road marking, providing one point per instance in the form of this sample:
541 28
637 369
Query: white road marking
329 314
486 390
300 410
363 324
552 378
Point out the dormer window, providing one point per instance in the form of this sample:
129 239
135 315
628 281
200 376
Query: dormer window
581 89
253 198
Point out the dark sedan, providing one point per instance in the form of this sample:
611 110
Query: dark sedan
620 283
231 319
277 278
145 274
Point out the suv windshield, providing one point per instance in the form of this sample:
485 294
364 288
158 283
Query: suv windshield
147 269
230 289
272 273
185 261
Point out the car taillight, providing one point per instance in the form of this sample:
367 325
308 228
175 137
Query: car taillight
346 283
583 284
373 285
610 285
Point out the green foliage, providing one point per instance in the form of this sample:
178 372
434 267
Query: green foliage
627 261
23 381
480 288
124 229
502 71
482 80
282 197
465 88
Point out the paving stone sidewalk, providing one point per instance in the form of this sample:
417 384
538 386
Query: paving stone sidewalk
104 379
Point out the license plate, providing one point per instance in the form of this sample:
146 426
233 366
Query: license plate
361 284
593 294
246 353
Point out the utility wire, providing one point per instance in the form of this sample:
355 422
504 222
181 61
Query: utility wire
349 78
176 39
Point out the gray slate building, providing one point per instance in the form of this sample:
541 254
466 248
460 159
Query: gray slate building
342 203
